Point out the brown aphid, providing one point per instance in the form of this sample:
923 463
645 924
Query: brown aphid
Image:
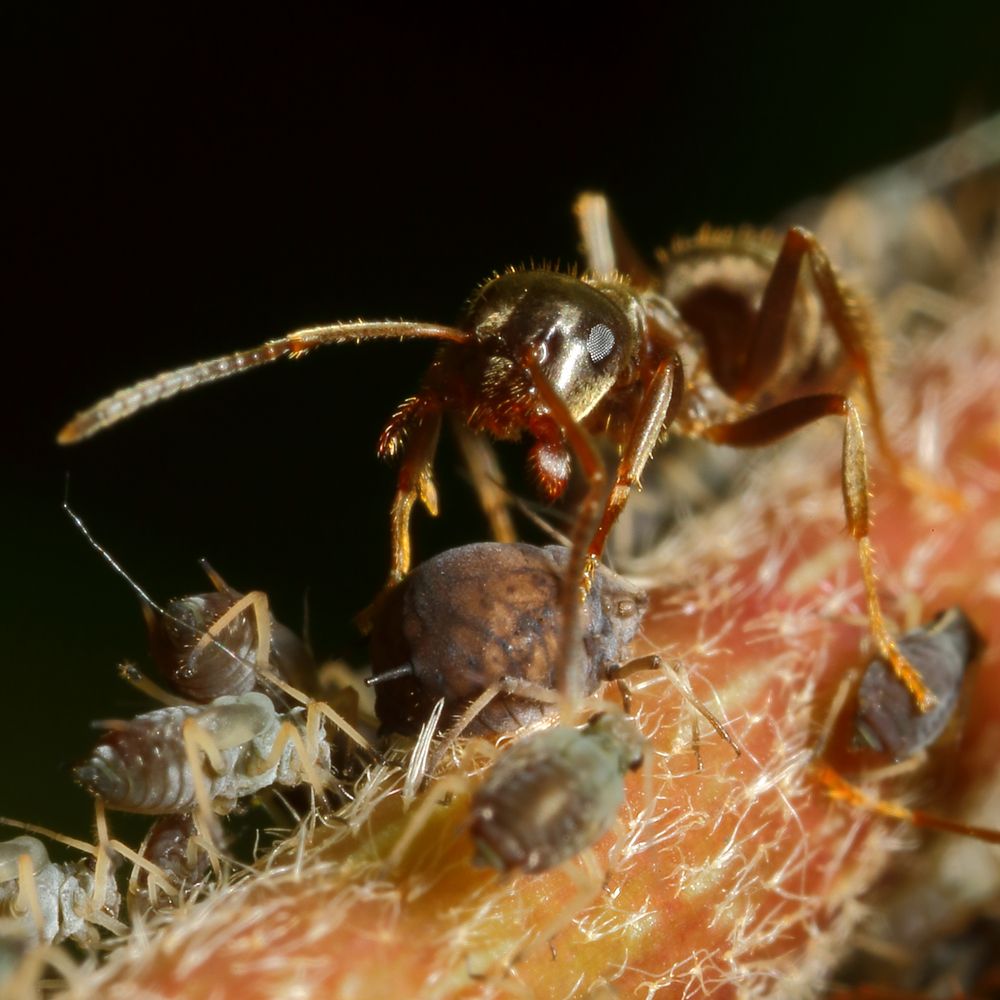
739 337
481 614
207 645
887 720
554 793
171 846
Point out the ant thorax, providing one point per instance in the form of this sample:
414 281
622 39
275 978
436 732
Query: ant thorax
716 281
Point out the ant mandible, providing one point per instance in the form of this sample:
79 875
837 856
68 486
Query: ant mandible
724 342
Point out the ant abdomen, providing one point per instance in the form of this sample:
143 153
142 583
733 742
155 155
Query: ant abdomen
482 614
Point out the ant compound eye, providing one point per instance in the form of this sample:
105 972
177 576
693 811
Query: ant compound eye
600 342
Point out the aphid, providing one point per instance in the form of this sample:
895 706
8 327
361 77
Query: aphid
208 645
727 341
942 650
53 901
482 615
221 643
183 757
554 793
171 846
888 724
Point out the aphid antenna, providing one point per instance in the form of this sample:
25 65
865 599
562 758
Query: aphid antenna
670 670
143 596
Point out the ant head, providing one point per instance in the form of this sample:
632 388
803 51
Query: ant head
585 336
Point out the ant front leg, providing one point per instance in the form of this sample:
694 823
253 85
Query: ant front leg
580 567
418 422
656 411
769 425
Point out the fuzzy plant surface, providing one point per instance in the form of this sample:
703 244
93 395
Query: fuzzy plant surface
723 876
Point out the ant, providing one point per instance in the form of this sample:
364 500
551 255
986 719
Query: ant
727 341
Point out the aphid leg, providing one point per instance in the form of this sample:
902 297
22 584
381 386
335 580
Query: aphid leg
656 411
507 686
767 426
588 880
102 862
839 788
487 479
289 734
313 706
451 784
157 879
671 672
579 568
607 249
27 900
197 742
255 600
131 674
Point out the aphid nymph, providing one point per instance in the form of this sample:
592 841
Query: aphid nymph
554 793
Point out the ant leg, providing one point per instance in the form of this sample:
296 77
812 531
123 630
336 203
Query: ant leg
656 411
855 330
487 479
607 249
842 790
418 421
768 425
580 567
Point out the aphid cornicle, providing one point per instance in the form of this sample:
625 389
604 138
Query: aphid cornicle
727 341
486 613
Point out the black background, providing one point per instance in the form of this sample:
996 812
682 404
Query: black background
183 185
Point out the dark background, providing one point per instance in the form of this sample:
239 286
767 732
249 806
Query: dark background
184 185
